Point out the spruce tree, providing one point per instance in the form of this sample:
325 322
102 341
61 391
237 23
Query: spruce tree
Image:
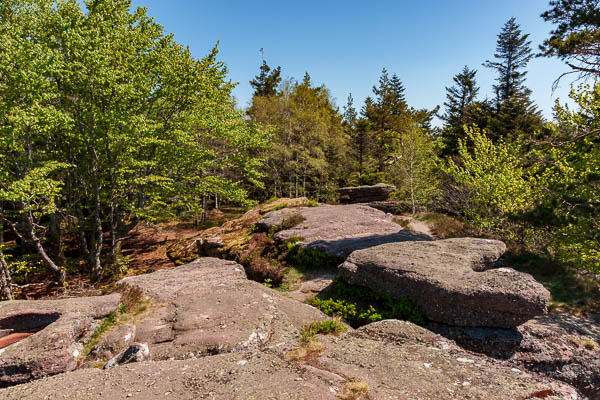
385 113
460 99
515 113
266 82
358 134
513 53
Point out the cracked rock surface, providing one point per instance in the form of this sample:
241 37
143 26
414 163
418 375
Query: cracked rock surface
210 307
54 333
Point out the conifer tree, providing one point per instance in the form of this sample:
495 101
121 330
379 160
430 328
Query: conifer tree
513 53
460 99
576 37
266 82
385 113
357 130
515 113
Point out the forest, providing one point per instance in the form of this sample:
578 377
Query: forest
107 123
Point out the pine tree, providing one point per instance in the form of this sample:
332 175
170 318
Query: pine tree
358 134
385 113
575 39
513 53
460 100
266 82
515 113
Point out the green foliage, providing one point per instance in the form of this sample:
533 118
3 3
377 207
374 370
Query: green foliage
106 119
308 155
308 259
313 203
514 113
266 82
570 180
499 185
460 99
360 306
577 34
327 327
415 169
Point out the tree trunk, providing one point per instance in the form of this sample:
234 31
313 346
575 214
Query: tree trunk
5 280
204 206
39 248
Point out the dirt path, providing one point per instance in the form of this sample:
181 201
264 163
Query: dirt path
417 225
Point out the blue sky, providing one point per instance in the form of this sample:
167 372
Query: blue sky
345 44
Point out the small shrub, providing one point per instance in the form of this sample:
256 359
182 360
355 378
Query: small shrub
326 327
313 203
310 259
360 306
280 206
354 390
288 223
446 227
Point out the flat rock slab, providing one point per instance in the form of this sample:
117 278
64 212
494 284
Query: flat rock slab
339 230
363 194
452 281
396 359
226 377
399 360
210 307
56 331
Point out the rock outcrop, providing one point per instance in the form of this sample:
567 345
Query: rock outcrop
230 239
561 346
385 360
58 329
210 307
452 281
365 194
338 230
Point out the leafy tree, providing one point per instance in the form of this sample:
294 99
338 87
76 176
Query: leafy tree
460 99
577 34
570 180
267 81
415 168
498 183
106 121
308 155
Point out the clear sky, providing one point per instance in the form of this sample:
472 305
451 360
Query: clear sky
345 44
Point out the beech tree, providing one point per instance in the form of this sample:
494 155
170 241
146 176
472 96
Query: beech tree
106 121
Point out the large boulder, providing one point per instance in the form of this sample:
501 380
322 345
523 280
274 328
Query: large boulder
338 230
453 281
365 194
210 307
52 334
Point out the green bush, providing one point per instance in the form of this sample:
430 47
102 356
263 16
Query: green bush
326 327
360 306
